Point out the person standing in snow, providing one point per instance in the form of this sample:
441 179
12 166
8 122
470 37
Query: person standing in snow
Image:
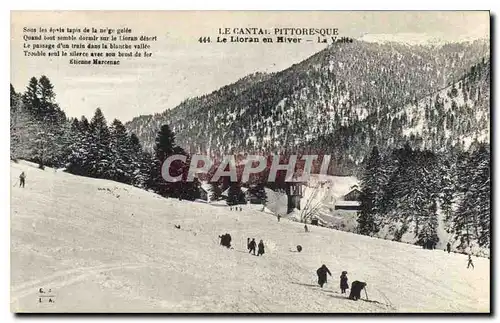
343 282
322 271
252 246
22 179
248 243
279 217
260 252
448 247
469 263
305 228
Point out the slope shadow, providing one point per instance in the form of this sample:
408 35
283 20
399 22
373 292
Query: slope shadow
328 292
308 285
251 254
371 301
377 302
339 297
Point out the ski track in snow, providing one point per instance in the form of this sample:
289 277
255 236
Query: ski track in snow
99 252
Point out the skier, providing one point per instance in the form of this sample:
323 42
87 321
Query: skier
248 243
260 252
322 271
356 289
252 246
22 178
469 263
279 217
343 282
448 247
305 228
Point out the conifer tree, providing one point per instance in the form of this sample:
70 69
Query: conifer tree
235 195
165 147
121 153
31 97
79 158
99 148
370 195
428 237
215 191
22 129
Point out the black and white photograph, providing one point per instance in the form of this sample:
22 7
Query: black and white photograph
250 162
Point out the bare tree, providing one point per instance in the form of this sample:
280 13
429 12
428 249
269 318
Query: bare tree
311 207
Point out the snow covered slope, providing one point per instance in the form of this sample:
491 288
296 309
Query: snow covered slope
104 246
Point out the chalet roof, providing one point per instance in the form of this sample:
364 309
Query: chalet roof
348 203
207 188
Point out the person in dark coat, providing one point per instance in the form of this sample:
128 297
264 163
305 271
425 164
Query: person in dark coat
343 282
22 179
305 228
448 247
225 240
322 271
248 243
260 252
356 289
252 246
469 263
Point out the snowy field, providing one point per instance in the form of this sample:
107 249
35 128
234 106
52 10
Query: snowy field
103 246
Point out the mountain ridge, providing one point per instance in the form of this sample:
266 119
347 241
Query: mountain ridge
333 89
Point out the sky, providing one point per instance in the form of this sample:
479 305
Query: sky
181 67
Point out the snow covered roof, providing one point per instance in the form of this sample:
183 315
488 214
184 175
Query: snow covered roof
226 192
206 186
336 185
348 203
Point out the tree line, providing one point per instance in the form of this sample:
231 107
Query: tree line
405 189
41 133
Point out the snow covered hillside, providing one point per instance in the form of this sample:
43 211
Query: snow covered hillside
105 246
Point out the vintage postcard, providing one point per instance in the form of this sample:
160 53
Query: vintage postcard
250 162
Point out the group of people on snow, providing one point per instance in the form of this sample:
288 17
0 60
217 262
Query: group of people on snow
356 286
251 244
235 208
